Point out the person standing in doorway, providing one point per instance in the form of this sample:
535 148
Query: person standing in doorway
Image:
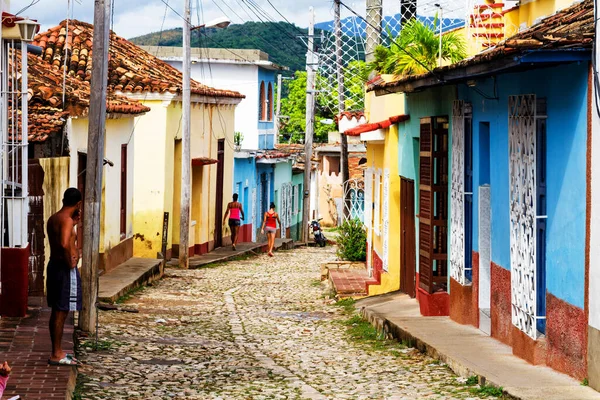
270 220
63 282
234 211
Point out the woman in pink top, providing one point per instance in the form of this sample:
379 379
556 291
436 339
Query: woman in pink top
234 212
4 372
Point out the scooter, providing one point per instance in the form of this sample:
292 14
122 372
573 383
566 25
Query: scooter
320 239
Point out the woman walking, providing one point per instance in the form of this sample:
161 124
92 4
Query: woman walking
270 220
234 209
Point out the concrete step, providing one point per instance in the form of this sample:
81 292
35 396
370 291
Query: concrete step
130 275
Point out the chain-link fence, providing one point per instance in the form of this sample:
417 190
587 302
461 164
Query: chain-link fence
395 13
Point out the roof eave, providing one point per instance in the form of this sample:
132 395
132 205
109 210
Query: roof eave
531 58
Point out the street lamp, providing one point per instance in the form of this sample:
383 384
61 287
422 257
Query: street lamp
186 101
28 29
220 23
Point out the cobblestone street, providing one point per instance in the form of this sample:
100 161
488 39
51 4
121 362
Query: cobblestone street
260 328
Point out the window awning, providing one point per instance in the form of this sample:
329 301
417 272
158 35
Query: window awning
200 161
370 127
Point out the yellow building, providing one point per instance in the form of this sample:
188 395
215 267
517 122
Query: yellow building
154 152
490 22
382 190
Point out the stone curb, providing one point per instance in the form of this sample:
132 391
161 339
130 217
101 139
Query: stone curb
393 331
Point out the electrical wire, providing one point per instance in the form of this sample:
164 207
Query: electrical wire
162 26
33 3
396 43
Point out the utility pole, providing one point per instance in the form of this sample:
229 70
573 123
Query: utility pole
95 158
186 161
440 21
374 12
341 100
310 122
278 109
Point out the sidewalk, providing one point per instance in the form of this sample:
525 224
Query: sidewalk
25 344
132 274
227 253
468 351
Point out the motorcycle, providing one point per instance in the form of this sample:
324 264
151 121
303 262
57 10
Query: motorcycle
320 238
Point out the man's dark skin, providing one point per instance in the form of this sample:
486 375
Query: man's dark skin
63 250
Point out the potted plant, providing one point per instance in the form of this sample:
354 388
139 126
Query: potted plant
237 140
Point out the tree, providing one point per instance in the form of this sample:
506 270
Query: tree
416 50
293 108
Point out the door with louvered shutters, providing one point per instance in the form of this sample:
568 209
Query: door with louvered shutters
433 204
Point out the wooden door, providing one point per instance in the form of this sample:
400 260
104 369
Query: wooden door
81 172
219 195
407 238
433 204
36 228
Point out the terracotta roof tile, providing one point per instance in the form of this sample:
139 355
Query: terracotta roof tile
131 69
568 29
48 114
386 123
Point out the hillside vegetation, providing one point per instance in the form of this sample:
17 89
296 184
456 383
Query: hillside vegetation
280 40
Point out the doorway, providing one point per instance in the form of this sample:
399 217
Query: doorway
81 173
407 238
433 205
219 195
485 229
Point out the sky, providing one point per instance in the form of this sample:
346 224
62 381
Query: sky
138 17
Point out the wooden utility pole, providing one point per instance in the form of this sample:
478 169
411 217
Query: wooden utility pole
341 101
278 108
374 16
186 161
310 123
95 163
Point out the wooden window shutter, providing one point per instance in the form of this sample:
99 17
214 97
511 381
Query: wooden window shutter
123 191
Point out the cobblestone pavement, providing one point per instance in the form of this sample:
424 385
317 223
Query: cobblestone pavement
261 328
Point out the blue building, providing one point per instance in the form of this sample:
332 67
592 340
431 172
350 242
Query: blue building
498 148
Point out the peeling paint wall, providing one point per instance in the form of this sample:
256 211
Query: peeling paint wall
56 181
118 132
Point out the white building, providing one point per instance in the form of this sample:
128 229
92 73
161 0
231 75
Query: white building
248 72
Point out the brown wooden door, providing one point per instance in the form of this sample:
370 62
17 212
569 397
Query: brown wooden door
219 196
123 206
433 204
36 228
407 238
81 172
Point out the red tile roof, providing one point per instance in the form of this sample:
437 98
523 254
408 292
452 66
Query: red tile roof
200 161
349 115
377 125
48 114
568 29
131 69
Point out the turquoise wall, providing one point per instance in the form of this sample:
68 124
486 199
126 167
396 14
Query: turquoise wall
433 102
565 89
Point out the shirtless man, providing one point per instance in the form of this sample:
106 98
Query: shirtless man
63 282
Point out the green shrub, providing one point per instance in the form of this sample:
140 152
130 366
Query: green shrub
352 241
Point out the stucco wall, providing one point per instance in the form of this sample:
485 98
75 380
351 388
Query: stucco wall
386 157
435 102
118 132
150 173
566 155
241 78
209 124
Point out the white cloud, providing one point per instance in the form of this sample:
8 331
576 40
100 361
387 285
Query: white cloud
138 17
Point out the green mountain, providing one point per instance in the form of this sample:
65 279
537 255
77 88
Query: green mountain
278 39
